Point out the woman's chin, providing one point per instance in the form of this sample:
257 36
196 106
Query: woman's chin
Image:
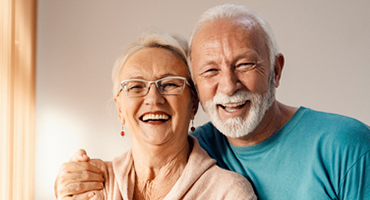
154 136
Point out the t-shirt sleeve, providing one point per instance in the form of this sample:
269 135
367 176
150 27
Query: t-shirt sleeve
356 182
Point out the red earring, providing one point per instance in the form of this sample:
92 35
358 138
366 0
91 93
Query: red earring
122 132
192 126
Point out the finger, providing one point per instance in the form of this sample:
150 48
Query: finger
73 172
80 156
82 176
71 167
79 188
78 172
83 196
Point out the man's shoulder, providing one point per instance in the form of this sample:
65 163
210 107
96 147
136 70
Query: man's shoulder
335 129
327 120
205 132
212 140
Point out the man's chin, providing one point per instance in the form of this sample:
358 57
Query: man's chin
232 127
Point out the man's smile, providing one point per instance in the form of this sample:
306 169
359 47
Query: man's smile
232 107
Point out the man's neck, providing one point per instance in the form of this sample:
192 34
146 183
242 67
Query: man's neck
275 118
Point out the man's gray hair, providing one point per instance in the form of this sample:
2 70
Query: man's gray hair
230 11
176 44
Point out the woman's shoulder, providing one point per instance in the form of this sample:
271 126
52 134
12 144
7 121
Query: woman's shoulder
123 159
228 184
208 181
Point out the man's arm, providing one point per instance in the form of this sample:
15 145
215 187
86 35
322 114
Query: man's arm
78 178
356 183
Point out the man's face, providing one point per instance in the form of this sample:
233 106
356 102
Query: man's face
231 69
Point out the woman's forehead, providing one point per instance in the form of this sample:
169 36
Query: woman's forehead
153 63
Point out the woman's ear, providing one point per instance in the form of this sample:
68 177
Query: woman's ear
195 105
119 110
278 68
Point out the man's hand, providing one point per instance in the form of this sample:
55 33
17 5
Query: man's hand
77 177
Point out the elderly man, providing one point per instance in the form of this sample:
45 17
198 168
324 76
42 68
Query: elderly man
286 152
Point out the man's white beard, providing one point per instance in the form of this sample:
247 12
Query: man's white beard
238 127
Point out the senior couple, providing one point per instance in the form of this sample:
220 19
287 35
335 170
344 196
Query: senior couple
283 152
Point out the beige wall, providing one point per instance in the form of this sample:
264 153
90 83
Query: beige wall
326 45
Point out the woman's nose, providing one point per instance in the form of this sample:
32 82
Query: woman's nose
154 97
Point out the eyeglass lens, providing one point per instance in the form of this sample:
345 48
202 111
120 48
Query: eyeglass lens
166 86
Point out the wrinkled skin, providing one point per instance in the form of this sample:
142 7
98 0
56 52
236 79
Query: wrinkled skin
78 178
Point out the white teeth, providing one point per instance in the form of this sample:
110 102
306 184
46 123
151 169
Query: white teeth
228 109
232 107
228 105
155 117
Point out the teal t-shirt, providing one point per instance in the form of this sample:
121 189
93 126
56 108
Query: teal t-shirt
315 155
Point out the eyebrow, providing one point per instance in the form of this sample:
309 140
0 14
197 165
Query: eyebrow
161 76
249 52
136 77
252 58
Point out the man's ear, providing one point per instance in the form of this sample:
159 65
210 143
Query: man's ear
278 66
119 110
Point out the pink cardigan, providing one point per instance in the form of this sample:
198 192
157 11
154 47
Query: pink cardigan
201 179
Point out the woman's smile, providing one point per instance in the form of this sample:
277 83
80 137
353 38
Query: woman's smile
156 117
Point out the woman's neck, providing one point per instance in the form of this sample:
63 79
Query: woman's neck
158 168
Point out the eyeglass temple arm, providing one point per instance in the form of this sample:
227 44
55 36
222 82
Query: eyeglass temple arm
120 90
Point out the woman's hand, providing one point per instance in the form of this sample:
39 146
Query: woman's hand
78 178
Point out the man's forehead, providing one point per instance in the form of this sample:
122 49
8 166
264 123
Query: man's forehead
223 28
236 34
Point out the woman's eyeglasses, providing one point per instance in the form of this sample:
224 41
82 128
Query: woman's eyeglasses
172 85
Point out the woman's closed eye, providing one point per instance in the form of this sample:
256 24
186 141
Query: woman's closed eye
169 86
135 87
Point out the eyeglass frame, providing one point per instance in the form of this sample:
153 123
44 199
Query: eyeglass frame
156 85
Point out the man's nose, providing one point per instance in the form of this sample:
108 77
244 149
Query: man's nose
229 82
154 97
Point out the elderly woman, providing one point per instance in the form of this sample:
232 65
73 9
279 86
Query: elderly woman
156 99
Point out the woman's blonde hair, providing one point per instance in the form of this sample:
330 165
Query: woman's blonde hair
174 43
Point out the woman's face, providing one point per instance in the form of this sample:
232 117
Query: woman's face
175 111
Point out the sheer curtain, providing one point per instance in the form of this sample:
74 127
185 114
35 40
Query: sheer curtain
17 101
